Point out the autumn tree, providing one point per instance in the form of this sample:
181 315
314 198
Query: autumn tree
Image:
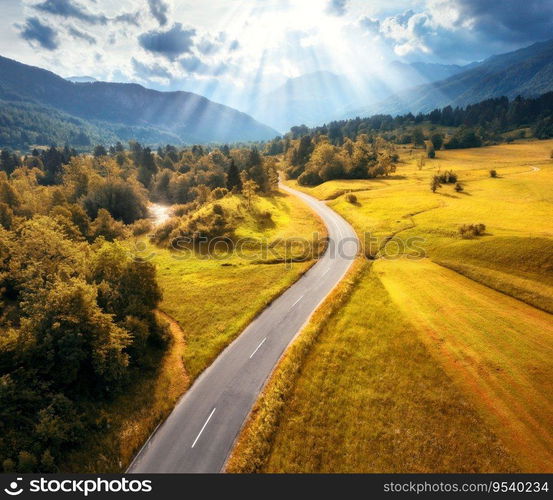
249 188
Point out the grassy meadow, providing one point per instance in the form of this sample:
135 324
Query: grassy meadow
434 364
207 302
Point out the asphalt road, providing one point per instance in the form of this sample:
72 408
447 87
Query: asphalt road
199 434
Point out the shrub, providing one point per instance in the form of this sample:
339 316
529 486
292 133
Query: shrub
219 193
351 198
468 231
163 231
105 225
309 179
181 210
493 173
141 226
448 177
204 226
26 462
431 152
459 187
266 215
8 465
435 183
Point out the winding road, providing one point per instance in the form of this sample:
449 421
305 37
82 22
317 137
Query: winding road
199 434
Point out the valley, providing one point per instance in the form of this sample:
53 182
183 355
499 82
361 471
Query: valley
276 238
424 368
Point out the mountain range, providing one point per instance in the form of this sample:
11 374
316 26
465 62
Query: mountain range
315 98
122 110
527 72
39 107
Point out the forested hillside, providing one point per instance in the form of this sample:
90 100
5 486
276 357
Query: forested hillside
126 111
489 119
527 72
76 306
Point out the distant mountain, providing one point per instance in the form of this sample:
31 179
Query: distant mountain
81 79
527 72
308 99
322 96
125 109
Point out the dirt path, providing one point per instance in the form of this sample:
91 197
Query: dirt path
498 349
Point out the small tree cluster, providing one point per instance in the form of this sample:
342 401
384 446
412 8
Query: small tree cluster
469 231
447 177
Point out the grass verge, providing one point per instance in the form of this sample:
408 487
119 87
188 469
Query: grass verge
253 445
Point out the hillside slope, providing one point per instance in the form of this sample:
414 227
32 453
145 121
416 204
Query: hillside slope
316 98
188 116
527 72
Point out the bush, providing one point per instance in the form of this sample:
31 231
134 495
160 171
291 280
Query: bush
459 187
203 226
469 231
266 215
493 173
185 209
141 226
431 152
105 225
464 138
26 462
163 232
351 198
448 177
8 465
309 179
219 193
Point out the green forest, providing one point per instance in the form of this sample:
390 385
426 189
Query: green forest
77 311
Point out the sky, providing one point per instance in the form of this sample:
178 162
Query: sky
239 46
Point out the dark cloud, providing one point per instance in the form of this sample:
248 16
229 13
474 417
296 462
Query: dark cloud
146 72
67 9
34 31
509 20
71 9
337 7
194 65
170 44
159 10
464 30
208 47
128 18
75 33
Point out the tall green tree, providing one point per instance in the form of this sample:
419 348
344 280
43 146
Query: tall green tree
234 183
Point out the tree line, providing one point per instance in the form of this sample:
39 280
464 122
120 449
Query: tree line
486 120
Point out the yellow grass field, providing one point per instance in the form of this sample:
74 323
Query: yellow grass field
208 302
426 369
498 350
